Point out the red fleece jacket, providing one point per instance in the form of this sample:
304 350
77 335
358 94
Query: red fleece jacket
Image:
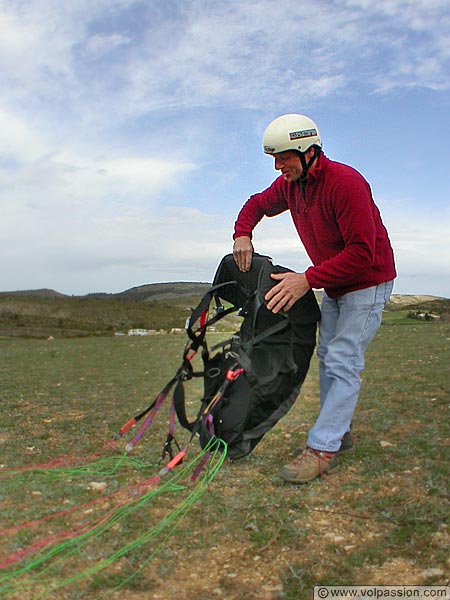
338 223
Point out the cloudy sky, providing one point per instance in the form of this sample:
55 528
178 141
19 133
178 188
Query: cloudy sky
131 131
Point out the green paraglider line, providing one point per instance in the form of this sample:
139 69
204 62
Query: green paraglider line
38 570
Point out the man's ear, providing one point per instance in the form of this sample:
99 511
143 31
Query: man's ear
310 152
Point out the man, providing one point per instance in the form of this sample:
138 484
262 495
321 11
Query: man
352 260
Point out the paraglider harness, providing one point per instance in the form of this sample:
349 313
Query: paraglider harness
250 380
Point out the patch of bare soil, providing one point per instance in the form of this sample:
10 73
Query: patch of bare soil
238 566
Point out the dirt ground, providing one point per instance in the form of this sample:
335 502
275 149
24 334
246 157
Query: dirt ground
328 530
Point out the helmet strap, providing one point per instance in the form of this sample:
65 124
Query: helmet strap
306 165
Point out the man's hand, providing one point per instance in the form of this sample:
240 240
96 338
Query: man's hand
290 288
243 252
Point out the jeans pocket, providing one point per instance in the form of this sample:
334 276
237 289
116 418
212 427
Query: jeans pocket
384 291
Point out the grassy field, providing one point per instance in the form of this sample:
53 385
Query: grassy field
382 519
24 316
43 313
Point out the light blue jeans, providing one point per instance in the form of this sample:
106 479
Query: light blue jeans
348 324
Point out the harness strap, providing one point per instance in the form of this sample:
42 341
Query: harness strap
265 334
167 449
201 308
180 407
243 364
196 328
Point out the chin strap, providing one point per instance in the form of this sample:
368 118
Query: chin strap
307 165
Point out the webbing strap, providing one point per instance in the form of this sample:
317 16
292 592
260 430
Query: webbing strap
152 407
265 334
167 449
180 407
151 415
203 306
243 360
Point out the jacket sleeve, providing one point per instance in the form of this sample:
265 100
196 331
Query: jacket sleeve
356 219
268 203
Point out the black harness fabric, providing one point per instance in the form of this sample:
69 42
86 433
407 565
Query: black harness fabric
274 350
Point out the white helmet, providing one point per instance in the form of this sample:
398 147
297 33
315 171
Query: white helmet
291 132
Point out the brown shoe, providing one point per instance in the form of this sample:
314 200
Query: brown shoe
308 465
347 444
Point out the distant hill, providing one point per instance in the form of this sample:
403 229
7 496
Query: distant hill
411 299
180 289
44 313
42 293
149 291
159 291
160 306
419 302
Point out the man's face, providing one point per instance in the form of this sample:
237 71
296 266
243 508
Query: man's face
289 164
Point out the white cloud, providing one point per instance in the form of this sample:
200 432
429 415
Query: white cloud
110 253
421 243
19 42
73 213
99 45
107 109
34 49
20 142
237 62
122 177
246 58
413 37
224 54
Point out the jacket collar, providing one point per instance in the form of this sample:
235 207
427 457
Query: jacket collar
315 173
